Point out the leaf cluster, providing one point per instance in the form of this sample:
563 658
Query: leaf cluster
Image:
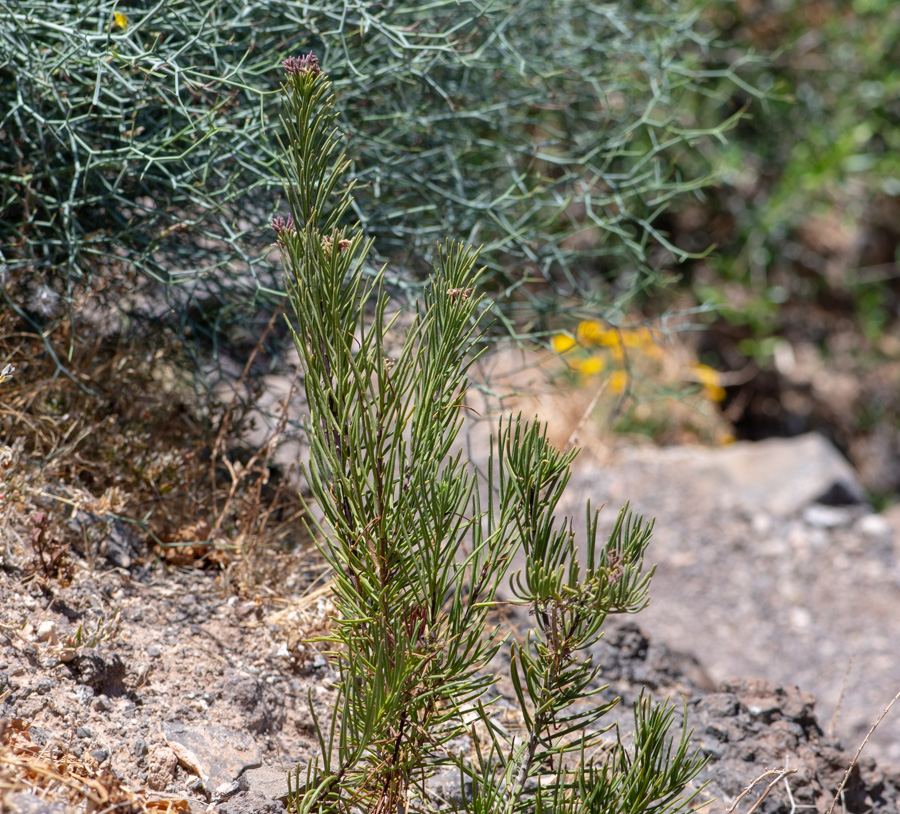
419 547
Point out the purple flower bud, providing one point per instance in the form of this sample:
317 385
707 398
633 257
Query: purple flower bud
308 64
282 226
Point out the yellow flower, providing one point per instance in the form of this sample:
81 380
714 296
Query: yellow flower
706 375
593 333
591 366
610 338
121 20
711 379
562 343
618 381
588 331
637 338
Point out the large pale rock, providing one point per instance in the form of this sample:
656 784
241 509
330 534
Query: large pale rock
780 475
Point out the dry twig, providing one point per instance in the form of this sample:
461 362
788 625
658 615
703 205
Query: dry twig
777 776
853 762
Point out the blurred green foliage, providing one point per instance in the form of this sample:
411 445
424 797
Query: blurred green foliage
133 147
809 207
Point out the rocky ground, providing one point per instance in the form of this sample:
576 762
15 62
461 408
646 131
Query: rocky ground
771 566
130 683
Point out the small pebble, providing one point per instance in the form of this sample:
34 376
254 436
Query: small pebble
226 790
28 803
39 735
84 693
826 517
873 526
43 686
100 754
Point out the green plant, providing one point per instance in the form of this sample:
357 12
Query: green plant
418 550
133 146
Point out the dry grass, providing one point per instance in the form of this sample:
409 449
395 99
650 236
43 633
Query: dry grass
29 773
838 795
121 436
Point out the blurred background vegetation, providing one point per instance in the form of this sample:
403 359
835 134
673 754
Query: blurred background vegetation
806 220
139 144
598 151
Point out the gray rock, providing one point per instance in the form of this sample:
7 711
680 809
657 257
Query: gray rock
260 790
262 707
267 781
750 591
100 754
250 803
27 803
227 790
746 727
43 686
828 517
875 527
779 475
750 725
445 788
220 754
139 747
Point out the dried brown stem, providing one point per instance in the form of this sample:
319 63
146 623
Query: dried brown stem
840 791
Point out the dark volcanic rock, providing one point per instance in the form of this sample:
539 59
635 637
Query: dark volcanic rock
750 726
744 727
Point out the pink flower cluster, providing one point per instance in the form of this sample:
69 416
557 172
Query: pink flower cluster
282 227
308 64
